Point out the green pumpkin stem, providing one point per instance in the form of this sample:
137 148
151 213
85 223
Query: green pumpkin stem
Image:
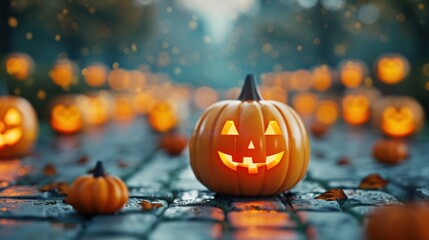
98 170
249 92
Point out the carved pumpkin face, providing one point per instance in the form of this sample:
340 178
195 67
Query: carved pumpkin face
392 69
399 116
163 116
249 146
95 75
66 116
355 109
18 127
96 108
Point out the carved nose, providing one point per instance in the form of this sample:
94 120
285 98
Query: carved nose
251 146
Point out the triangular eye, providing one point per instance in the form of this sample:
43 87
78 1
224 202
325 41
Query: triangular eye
273 129
12 117
229 128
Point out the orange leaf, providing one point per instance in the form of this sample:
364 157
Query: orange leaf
60 187
343 161
333 195
146 205
373 181
49 170
82 160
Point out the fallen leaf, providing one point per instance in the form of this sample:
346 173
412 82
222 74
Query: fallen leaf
373 181
146 205
333 195
59 187
121 163
82 160
343 161
49 170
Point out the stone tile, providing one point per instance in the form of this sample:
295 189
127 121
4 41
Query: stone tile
369 197
22 192
331 225
256 204
137 224
150 193
194 197
260 218
194 212
314 205
189 230
423 193
362 210
135 205
187 185
307 186
23 229
265 233
344 183
109 237
325 171
34 208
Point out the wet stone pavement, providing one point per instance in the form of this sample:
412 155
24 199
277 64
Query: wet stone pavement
185 208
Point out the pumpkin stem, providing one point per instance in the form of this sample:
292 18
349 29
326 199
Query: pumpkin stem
249 92
98 170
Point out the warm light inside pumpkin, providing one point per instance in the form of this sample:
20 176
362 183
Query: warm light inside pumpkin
162 117
66 119
352 73
63 73
327 112
356 109
123 108
398 122
392 69
95 75
322 78
19 65
304 103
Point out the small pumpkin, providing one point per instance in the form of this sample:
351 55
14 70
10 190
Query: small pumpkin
18 127
399 222
95 75
390 151
398 116
97 194
249 146
173 143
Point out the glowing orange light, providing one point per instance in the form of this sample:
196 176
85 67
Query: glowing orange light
19 65
304 103
300 80
392 68
96 108
352 73
95 75
322 78
204 97
163 116
274 93
63 73
327 112
119 79
123 108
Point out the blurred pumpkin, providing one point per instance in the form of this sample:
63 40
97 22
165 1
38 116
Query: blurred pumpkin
319 129
95 75
123 108
274 93
173 143
137 80
204 97
142 102
96 107
18 127
305 103
398 116
356 104
352 73
322 78
97 194
327 112
119 79
300 80
390 151
19 65
248 147
392 68
399 222
65 115
163 116
64 73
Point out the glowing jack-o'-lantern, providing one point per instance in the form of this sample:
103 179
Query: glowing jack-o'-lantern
19 65
392 68
65 115
352 73
249 146
398 116
96 108
163 116
64 73
95 75
123 108
18 127
305 103
356 105
322 78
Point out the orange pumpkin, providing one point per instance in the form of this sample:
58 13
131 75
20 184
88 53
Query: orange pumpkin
327 112
18 127
399 222
398 116
392 68
95 75
19 65
390 151
249 147
163 117
319 129
64 73
96 108
356 105
123 108
65 115
322 78
173 143
97 194
305 103
274 93
352 73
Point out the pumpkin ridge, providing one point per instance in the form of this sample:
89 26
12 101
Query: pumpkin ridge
84 191
262 116
304 142
123 190
113 195
289 150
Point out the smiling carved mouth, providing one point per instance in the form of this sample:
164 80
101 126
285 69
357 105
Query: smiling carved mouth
270 161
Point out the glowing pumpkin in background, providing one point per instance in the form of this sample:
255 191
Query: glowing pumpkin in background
356 105
18 127
300 80
65 115
274 93
96 108
163 116
398 116
305 103
95 75
352 73
392 68
142 102
204 97
119 79
123 108
19 65
249 146
322 78
327 112
64 73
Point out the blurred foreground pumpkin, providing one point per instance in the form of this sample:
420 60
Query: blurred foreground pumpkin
249 146
390 151
398 116
97 194
173 143
399 222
